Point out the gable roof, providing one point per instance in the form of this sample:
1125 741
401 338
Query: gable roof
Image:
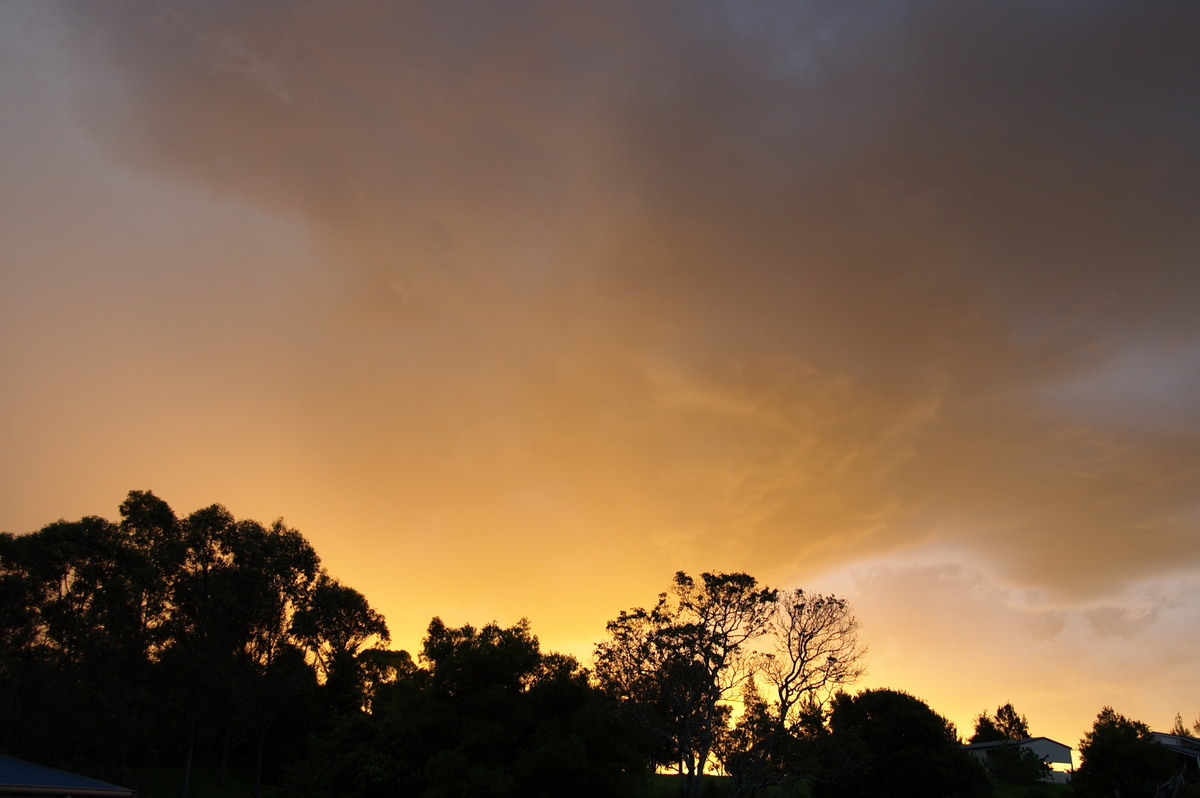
1184 746
20 777
1049 750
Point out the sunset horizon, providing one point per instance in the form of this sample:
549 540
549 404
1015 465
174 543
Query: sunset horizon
515 311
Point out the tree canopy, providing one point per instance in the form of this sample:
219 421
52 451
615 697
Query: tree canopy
205 640
1119 756
1006 724
487 713
889 744
167 641
1179 729
1011 763
681 667
162 639
677 664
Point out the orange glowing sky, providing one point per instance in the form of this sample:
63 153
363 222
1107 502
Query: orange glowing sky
515 309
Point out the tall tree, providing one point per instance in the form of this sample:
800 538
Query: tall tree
205 630
1012 763
678 664
335 624
161 636
1011 723
1119 757
1006 724
755 752
1180 730
815 651
811 649
72 642
272 570
985 730
151 528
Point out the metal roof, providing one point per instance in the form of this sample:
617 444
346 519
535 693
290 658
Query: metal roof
1022 741
1049 750
1184 746
20 777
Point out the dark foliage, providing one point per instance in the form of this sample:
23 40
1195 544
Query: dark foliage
1120 757
217 643
1006 724
1010 764
889 744
169 642
489 714
673 668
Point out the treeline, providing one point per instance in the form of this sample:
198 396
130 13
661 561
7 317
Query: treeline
209 642
165 641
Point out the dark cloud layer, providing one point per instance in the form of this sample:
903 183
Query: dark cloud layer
776 286
853 267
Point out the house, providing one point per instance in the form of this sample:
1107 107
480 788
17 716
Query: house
1187 748
1055 754
19 777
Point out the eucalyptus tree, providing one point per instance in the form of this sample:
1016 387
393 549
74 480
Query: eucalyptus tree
71 641
151 527
234 591
678 665
164 636
334 625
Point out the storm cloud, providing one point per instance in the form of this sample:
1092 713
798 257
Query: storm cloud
603 290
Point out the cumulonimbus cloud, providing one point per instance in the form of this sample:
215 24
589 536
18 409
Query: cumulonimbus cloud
787 284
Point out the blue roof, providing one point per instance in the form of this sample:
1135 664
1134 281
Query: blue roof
19 777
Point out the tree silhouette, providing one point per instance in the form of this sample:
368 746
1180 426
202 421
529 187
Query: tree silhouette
811 648
816 651
1180 730
72 633
334 625
889 744
160 639
1120 757
485 713
676 665
1006 724
1012 764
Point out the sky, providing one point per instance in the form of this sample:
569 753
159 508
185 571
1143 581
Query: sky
515 309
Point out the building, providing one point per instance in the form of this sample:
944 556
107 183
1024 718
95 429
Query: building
1053 753
1187 748
19 777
